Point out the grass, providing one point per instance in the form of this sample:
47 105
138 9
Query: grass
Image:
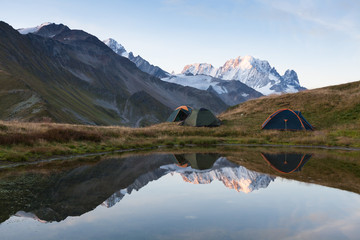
334 111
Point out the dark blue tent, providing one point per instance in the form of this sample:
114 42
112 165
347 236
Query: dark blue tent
286 119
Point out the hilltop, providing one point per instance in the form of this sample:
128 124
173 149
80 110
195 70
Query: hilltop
334 111
326 108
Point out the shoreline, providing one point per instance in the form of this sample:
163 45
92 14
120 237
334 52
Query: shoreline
154 148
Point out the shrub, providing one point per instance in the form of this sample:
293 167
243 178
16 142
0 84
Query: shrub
3 127
66 135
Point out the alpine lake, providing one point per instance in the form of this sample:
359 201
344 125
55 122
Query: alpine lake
223 192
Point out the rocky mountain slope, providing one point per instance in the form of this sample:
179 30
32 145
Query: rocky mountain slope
255 73
141 63
63 75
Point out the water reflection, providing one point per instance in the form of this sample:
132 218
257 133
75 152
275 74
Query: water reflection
218 168
286 162
74 192
198 168
145 192
54 196
196 160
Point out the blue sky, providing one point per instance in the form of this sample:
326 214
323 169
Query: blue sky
319 39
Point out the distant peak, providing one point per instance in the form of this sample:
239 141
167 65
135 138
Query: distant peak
33 29
245 62
45 24
290 76
247 58
116 47
198 68
110 40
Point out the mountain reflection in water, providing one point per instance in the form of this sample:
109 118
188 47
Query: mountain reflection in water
200 168
76 191
213 206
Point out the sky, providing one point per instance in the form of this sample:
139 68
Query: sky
319 39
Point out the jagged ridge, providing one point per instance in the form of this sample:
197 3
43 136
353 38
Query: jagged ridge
141 63
255 73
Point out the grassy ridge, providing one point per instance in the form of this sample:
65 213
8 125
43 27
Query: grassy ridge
325 108
334 111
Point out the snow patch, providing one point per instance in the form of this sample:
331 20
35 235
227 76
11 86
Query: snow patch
32 29
291 89
265 89
201 82
23 214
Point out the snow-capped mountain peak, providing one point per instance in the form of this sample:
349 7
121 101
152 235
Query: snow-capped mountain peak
116 47
290 76
255 73
32 29
199 68
239 62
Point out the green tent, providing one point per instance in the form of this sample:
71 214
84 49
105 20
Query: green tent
179 114
202 118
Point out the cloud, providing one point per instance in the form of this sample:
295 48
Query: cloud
344 228
336 16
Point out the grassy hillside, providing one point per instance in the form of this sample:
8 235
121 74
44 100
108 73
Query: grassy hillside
334 111
325 108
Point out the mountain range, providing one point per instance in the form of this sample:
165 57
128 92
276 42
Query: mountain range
64 75
238 80
255 73
230 92
53 73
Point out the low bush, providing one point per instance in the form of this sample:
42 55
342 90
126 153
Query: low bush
67 135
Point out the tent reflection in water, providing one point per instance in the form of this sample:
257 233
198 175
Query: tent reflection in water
180 114
286 162
200 161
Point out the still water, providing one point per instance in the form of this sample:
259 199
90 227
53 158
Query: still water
183 196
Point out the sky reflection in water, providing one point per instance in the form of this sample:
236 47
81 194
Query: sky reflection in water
171 208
